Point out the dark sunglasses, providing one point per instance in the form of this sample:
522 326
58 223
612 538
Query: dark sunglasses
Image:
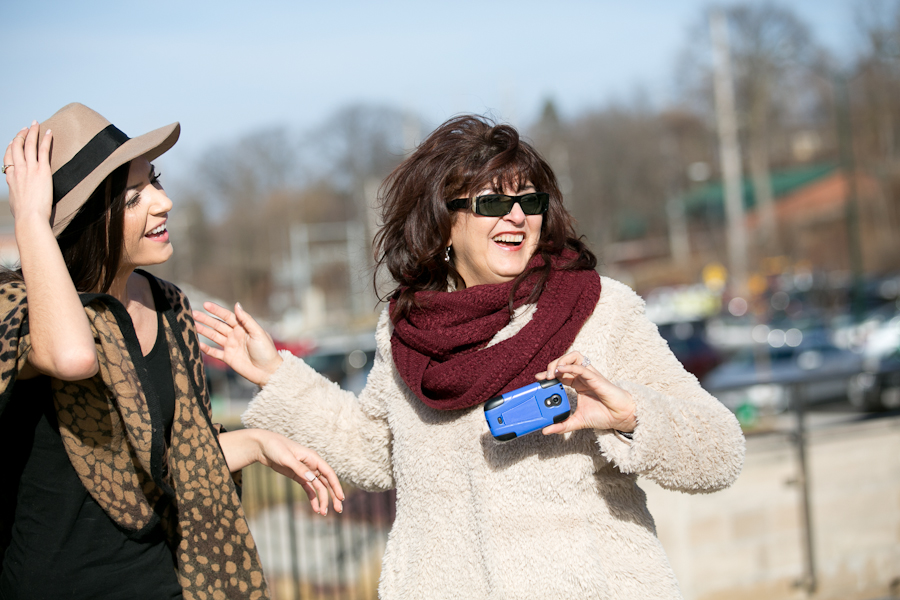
500 205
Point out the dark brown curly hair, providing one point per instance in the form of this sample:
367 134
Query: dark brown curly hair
464 154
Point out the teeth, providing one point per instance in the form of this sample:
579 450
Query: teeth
513 238
158 230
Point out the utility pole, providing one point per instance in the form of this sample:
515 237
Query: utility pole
851 206
730 154
679 242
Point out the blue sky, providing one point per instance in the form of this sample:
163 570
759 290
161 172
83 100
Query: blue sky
226 69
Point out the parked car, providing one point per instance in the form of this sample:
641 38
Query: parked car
877 387
687 340
767 377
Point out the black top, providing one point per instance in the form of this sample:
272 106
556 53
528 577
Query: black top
62 544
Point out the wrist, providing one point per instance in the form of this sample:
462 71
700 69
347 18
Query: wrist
243 447
31 223
628 420
256 439
627 425
270 369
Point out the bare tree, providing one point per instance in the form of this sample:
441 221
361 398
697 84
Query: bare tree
769 44
777 91
247 170
878 70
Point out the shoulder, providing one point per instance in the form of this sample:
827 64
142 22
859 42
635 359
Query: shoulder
383 332
618 297
619 311
618 308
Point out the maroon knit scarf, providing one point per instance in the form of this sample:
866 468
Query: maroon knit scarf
439 349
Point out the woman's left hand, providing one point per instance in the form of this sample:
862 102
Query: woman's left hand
244 447
304 466
601 405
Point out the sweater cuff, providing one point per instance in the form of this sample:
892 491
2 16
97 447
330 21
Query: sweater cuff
635 451
626 435
282 384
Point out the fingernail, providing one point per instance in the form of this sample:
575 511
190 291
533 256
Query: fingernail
48 132
239 306
309 475
33 123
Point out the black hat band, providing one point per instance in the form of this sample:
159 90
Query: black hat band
86 160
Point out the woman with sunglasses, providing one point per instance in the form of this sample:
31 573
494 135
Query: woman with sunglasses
494 291
118 485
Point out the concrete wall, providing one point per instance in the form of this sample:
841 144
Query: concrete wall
746 543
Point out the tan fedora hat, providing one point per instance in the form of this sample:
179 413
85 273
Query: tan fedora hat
86 148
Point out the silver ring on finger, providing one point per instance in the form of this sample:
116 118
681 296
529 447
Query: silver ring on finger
585 361
19 137
5 167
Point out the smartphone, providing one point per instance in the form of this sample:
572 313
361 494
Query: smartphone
526 409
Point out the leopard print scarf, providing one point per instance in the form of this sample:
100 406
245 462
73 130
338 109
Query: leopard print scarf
114 439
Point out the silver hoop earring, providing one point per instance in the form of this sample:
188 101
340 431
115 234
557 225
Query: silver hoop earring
447 255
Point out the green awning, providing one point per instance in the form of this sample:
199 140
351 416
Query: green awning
710 198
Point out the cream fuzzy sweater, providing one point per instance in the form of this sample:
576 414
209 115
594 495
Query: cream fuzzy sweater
557 516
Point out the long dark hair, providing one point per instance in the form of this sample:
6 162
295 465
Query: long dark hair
466 153
91 243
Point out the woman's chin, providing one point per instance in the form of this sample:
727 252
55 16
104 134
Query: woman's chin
156 258
505 274
510 269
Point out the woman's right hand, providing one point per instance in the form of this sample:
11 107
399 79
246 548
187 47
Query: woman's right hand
28 175
62 344
244 345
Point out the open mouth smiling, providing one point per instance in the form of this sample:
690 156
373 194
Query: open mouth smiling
157 232
509 240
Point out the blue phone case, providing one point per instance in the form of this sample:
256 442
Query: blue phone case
526 409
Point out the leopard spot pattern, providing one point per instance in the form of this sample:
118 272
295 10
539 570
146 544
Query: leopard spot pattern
129 469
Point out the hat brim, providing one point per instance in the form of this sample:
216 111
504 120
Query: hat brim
150 145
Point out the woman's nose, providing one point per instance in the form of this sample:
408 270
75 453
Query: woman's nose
162 202
516 215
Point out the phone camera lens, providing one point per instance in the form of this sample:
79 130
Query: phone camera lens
553 400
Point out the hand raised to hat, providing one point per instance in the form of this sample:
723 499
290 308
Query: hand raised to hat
62 344
601 405
244 345
28 174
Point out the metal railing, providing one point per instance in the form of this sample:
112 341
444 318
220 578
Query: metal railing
309 557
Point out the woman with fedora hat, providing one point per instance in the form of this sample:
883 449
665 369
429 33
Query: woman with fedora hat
118 483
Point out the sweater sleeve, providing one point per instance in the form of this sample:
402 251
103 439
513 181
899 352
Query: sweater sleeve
685 439
351 433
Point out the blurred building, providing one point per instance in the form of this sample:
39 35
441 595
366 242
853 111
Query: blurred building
811 208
